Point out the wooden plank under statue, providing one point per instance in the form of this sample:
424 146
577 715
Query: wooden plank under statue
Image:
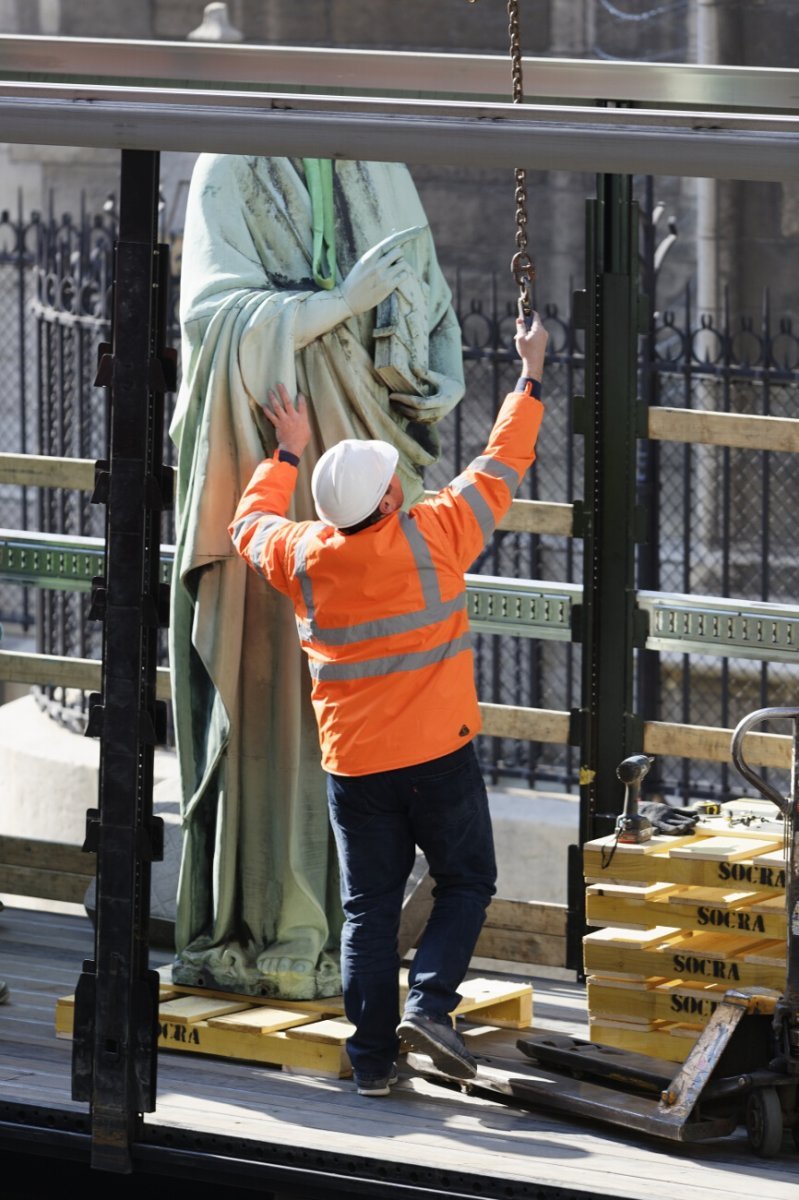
297 1035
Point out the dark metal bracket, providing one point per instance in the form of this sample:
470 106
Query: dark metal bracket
611 311
116 1003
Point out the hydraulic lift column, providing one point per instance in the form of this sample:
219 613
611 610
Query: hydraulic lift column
607 623
116 1002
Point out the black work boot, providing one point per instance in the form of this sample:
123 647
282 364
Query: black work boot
441 1042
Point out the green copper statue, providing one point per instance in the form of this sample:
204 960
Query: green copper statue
267 244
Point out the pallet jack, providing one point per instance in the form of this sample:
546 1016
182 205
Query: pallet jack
744 1066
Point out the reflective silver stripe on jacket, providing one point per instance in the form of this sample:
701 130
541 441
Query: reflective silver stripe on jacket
268 523
300 570
466 487
434 608
489 465
390 663
366 631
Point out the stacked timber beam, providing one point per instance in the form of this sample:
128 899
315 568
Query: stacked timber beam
677 921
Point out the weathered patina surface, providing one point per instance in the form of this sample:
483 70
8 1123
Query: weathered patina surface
258 908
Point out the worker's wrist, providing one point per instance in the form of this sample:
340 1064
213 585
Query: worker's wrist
529 384
284 455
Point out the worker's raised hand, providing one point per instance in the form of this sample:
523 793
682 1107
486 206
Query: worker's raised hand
291 425
531 344
378 272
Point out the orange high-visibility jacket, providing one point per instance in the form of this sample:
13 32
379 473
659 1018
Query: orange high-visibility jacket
382 614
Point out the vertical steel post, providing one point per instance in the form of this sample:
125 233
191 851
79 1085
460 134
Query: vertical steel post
607 728
116 1003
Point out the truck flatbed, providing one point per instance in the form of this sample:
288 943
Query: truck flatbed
220 1122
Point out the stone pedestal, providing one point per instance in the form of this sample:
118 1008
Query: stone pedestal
50 779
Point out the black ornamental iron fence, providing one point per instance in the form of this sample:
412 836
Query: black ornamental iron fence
721 522
19 236
70 310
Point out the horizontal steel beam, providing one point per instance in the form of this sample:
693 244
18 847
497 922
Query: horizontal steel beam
522 608
530 608
389 72
688 119
517 138
673 119
710 625
58 562
495 605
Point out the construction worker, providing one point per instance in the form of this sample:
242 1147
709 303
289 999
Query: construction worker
379 596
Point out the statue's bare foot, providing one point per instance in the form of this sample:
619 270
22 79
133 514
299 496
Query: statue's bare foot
288 969
296 954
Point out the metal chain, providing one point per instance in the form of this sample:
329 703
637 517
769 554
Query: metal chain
515 50
521 266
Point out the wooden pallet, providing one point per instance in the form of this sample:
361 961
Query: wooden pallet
743 862
673 954
669 1041
656 999
307 1036
728 910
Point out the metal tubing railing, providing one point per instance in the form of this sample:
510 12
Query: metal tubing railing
495 136
267 66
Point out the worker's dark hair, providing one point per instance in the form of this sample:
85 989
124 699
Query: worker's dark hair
365 523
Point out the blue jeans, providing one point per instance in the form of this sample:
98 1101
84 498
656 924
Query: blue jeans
378 821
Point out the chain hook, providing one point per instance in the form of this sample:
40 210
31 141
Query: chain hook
523 273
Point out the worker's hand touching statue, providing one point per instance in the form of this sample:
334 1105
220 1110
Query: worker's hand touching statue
289 421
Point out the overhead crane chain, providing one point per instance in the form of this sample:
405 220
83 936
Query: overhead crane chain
521 266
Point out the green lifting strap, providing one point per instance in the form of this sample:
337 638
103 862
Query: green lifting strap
319 178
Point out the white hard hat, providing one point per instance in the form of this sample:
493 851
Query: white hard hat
350 480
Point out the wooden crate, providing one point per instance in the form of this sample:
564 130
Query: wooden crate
678 921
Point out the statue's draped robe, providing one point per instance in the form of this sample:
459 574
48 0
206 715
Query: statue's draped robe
258 907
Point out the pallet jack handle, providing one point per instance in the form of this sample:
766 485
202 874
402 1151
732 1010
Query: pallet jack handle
786 1016
739 733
